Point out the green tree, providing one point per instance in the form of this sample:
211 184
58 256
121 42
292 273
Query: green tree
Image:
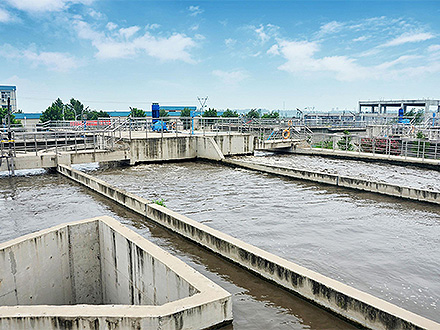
229 113
418 116
186 112
94 114
4 117
163 113
253 113
210 113
54 112
75 110
272 114
345 142
135 112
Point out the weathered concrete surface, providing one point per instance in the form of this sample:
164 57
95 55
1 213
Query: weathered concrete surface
351 304
399 160
207 148
112 278
51 159
140 149
344 181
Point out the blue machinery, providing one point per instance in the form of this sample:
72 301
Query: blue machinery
160 125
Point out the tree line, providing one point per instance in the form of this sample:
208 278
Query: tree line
74 110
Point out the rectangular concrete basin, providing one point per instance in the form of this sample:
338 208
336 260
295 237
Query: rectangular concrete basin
98 274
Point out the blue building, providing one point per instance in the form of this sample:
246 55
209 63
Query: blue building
8 92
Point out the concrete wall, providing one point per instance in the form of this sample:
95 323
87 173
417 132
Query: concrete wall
189 147
153 149
207 148
235 144
339 298
132 276
112 277
391 159
343 181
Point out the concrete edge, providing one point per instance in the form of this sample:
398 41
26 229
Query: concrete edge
382 188
267 257
208 291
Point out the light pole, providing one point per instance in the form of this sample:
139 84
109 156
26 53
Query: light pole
11 156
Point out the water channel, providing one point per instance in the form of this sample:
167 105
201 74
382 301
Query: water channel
381 245
384 246
29 203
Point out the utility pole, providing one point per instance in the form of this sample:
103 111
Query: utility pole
202 101
11 155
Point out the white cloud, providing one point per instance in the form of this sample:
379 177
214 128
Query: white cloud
400 60
195 27
433 48
230 77
331 27
127 33
125 44
230 42
111 26
5 16
153 26
300 56
199 36
195 10
274 50
409 37
95 14
361 38
37 6
265 32
54 61
44 5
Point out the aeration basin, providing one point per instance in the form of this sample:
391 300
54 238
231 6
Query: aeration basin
98 274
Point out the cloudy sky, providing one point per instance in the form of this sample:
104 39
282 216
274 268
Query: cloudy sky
241 54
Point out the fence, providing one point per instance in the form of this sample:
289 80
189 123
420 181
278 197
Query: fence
405 147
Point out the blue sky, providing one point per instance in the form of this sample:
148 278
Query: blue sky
318 55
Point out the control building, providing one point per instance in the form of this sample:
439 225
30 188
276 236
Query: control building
8 91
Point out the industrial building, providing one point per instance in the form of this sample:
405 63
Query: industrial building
8 92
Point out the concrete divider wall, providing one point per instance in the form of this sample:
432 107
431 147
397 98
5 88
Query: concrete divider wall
161 149
188 147
343 181
207 148
341 299
235 144
132 276
23 269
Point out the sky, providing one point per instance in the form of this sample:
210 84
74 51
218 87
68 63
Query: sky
275 55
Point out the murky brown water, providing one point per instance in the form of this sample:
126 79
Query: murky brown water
381 245
31 203
408 176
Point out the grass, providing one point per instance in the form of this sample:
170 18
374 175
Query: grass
160 202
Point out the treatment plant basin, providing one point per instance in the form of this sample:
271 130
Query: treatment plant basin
96 273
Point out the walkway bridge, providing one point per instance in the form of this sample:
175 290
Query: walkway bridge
136 140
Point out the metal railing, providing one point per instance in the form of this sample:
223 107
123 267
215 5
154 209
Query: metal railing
55 141
391 146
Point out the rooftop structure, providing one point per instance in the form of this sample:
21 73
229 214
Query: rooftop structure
382 105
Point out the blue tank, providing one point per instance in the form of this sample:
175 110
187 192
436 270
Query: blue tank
155 110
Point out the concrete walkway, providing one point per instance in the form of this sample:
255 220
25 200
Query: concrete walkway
401 160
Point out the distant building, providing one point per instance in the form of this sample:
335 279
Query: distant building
8 91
